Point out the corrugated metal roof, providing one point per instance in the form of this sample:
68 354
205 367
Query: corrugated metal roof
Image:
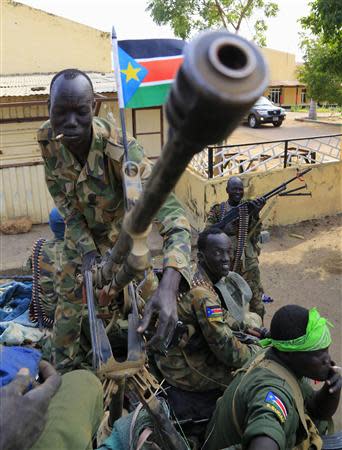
38 84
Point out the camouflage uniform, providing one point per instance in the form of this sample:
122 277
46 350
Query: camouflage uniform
250 259
90 199
205 359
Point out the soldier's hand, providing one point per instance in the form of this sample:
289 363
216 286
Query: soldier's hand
24 414
88 261
163 304
258 204
260 333
334 381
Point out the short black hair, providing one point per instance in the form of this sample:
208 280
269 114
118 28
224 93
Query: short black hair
70 74
203 237
289 322
234 178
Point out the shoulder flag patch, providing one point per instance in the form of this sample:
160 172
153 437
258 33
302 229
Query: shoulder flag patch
273 402
214 313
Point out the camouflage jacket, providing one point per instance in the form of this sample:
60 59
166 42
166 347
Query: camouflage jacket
205 359
90 198
219 210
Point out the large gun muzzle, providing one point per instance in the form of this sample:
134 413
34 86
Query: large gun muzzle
220 79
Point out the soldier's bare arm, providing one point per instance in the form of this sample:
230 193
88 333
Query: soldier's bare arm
263 442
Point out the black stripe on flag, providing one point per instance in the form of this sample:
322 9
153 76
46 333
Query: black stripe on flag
152 48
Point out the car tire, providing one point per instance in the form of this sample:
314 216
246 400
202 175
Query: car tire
253 121
277 124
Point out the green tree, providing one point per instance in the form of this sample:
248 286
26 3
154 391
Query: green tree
186 16
322 69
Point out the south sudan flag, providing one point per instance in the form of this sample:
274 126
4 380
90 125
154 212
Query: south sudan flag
161 58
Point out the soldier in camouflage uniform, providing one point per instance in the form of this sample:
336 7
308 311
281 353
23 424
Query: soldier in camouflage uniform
250 259
207 354
82 171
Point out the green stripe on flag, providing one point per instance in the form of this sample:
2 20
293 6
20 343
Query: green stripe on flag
147 96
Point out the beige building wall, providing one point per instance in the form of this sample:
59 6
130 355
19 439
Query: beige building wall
282 65
289 95
34 41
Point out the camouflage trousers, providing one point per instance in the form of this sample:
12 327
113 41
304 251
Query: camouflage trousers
251 273
69 344
50 260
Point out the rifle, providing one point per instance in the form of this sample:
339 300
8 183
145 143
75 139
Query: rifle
279 190
220 79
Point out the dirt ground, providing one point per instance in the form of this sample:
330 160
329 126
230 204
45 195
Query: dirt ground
302 264
307 272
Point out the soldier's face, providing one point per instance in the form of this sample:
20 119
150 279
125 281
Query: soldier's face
235 191
215 259
315 365
71 109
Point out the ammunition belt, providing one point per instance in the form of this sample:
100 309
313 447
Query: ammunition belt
36 310
197 281
242 236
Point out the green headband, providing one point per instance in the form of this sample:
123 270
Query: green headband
317 336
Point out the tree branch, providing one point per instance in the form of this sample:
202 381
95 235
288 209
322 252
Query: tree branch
242 15
222 14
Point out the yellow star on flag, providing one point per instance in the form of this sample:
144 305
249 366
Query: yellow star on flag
131 72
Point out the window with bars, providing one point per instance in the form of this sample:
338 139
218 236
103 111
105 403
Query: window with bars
274 95
303 96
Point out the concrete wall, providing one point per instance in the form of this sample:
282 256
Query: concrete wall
324 182
34 41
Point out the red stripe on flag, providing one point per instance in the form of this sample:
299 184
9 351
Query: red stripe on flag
281 406
161 69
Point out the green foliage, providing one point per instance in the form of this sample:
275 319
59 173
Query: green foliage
325 19
322 69
187 16
333 110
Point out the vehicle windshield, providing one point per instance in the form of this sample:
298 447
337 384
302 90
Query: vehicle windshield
263 101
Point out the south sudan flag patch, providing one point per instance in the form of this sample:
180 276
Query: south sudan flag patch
276 405
214 313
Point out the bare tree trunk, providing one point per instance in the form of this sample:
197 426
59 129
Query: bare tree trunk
313 110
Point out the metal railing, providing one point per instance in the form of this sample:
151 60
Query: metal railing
219 160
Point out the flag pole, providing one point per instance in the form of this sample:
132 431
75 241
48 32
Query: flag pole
120 92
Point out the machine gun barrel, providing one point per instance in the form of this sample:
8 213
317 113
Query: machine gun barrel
234 212
221 77
282 186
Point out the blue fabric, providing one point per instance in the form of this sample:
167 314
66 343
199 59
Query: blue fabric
15 299
14 358
23 319
132 74
57 224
